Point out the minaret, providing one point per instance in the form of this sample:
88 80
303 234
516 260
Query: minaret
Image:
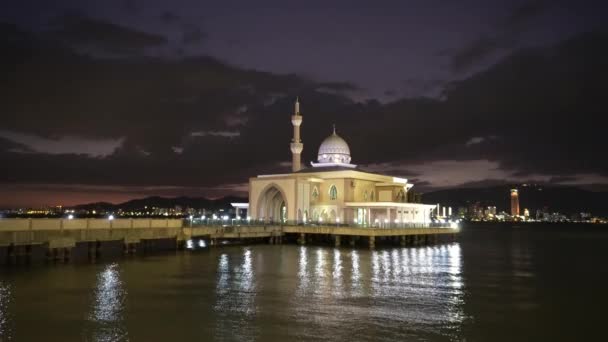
296 144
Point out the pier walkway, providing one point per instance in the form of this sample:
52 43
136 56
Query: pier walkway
59 236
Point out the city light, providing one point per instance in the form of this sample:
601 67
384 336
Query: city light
248 218
111 217
70 217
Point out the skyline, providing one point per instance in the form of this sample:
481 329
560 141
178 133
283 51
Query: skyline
125 101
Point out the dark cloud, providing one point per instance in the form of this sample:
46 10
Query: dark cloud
476 51
91 33
523 14
192 35
131 6
505 36
200 123
169 17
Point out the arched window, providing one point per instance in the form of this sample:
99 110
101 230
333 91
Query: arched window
365 196
372 196
315 193
333 193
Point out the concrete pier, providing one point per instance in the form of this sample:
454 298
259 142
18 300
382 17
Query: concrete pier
60 236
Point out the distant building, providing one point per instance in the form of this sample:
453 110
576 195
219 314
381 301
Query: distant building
514 202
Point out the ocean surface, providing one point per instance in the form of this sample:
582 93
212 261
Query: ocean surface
495 283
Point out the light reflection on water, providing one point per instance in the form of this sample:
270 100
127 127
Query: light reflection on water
5 298
494 284
107 314
235 297
416 289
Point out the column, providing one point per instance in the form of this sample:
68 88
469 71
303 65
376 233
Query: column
337 240
372 241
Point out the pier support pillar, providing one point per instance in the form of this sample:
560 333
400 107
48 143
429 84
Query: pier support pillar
11 255
91 250
337 240
302 239
402 241
67 254
372 242
352 240
131 248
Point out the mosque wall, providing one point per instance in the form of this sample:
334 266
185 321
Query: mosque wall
259 186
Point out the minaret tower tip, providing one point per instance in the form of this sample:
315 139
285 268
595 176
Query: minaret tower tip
296 144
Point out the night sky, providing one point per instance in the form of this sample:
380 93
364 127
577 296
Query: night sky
113 100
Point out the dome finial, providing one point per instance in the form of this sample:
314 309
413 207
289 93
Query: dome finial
334 129
297 105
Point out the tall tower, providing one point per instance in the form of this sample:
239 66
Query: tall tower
514 202
296 144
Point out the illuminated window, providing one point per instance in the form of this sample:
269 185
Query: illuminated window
333 193
315 193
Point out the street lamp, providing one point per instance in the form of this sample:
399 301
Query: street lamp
111 217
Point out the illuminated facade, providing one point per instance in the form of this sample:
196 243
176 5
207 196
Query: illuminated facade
514 202
332 190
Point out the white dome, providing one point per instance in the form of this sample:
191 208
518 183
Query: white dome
334 150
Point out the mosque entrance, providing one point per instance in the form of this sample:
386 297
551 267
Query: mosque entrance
272 205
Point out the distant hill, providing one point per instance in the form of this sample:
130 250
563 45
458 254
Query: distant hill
165 202
567 200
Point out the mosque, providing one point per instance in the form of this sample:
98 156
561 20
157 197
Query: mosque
332 190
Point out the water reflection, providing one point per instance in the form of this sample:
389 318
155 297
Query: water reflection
303 275
109 306
235 299
5 298
337 274
421 288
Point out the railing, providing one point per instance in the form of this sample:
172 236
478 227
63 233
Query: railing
376 225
